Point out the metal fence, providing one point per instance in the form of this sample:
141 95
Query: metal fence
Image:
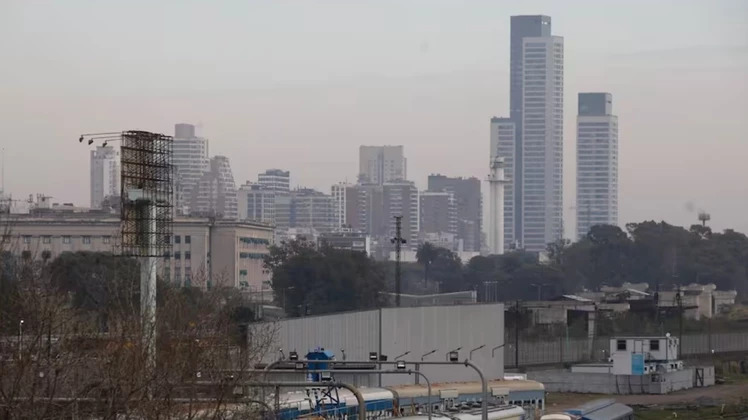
577 350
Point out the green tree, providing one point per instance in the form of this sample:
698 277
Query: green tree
309 280
556 251
425 255
447 272
610 253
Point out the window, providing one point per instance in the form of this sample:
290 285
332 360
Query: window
187 255
177 255
27 239
46 239
654 345
106 239
87 240
66 239
621 345
187 239
167 255
177 239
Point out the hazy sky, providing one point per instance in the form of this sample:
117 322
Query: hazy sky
301 84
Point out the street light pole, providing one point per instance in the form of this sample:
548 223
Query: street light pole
20 340
398 241
493 350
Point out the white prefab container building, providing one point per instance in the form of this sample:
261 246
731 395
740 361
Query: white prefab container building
654 348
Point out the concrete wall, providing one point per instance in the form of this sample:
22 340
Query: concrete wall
578 350
603 383
394 331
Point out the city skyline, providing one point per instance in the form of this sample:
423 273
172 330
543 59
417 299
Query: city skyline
434 99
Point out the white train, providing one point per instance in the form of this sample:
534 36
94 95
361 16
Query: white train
511 400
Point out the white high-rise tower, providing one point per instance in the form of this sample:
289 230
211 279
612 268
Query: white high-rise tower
496 183
542 141
531 139
190 160
597 162
105 176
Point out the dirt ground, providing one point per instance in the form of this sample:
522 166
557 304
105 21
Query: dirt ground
718 394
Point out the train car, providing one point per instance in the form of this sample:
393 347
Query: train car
495 413
380 403
559 416
604 409
455 400
527 394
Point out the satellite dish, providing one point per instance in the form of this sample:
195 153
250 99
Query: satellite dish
667 335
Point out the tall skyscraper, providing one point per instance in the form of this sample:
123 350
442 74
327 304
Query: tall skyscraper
380 164
597 162
469 207
542 141
521 27
533 209
503 143
275 180
214 194
191 161
105 176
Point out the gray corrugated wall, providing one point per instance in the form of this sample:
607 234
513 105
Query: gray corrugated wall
422 329
419 330
356 332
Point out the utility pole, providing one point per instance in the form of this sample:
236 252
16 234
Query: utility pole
398 241
516 334
679 300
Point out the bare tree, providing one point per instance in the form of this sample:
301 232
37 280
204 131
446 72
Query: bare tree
63 356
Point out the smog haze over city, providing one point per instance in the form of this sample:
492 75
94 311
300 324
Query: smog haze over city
300 85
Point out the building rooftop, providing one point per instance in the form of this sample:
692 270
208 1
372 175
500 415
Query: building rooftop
100 217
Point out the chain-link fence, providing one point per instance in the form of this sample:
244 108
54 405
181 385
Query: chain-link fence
577 350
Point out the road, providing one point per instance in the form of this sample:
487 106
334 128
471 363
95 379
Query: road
727 394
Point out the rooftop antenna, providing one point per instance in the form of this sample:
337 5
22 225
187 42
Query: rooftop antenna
704 217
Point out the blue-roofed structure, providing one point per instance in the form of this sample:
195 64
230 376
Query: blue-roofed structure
604 409
324 357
